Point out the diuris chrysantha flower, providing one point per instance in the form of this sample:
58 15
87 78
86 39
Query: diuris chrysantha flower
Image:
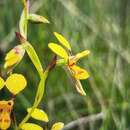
71 60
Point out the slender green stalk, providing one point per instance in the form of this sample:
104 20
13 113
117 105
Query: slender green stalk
26 17
35 60
38 98
61 62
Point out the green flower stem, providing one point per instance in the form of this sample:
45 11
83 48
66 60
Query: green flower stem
35 60
38 98
14 121
61 62
26 17
23 24
34 57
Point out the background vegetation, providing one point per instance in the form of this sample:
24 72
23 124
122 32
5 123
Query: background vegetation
102 26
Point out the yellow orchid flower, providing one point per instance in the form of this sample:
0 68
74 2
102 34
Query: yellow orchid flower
71 60
14 56
5 111
15 83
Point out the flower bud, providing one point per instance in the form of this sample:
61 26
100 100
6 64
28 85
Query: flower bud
14 56
37 18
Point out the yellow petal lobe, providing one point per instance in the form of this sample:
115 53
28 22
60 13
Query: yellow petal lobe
2 83
39 114
57 49
57 126
79 73
62 40
16 83
81 54
31 126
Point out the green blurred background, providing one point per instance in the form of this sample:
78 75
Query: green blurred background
103 27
